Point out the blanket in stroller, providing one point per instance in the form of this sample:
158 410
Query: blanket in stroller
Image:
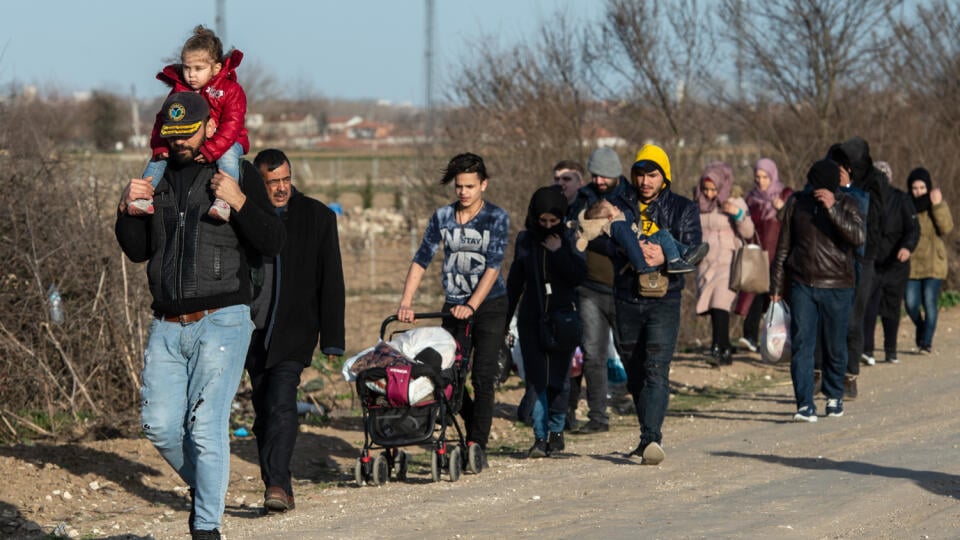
402 367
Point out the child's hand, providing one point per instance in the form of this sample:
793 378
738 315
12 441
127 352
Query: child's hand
200 158
162 156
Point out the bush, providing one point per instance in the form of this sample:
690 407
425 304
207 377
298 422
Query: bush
56 228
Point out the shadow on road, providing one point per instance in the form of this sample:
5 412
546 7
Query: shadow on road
935 482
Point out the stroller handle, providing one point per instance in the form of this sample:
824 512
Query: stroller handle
425 315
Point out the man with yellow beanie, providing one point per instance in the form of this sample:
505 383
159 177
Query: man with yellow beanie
646 324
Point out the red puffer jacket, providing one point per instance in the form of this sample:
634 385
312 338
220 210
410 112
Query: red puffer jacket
228 106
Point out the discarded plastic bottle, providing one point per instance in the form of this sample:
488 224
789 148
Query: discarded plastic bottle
56 305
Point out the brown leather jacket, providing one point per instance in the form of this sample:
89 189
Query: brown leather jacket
816 245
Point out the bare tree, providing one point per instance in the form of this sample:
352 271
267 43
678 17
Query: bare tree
661 52
802 52
524 109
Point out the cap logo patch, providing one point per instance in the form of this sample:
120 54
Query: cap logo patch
176 112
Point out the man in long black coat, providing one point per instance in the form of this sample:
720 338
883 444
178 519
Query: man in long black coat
300 296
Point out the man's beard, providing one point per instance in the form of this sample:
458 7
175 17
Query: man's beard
182 156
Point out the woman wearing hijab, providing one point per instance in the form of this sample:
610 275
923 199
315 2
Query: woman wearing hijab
725 220
928 266
545 272
764 201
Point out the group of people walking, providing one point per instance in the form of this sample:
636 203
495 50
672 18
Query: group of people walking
245 272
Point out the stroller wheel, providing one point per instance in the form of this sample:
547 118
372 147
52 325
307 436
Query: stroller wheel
456 463
381 470
474 458
358 475
401 466
435 466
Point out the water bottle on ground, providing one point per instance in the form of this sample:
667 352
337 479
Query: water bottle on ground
56 305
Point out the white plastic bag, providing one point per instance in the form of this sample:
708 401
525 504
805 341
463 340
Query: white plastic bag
775 333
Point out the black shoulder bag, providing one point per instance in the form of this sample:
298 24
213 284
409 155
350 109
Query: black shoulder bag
560 328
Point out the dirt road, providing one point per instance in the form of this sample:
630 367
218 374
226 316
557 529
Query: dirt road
739 469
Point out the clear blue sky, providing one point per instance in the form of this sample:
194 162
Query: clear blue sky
337 48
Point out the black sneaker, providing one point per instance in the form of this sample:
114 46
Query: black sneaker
695 254
680 266
206 535
592 426
650 453
555 442
538 450
850 387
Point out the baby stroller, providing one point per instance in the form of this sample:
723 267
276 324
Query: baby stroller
410 389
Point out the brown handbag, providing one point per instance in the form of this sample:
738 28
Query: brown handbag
652 284
750 269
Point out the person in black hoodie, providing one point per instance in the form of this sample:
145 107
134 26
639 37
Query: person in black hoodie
814 263
856 165
300 296
899 234
546 271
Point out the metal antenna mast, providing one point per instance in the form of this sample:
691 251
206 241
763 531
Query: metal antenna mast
428 61
220 22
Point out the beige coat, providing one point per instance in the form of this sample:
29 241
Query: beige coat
929 260
713 273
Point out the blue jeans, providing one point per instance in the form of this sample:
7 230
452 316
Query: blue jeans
190 375
923 293
808 305
648 332
624 236
229 162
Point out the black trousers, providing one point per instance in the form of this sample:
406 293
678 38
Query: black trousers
484 342
275 404
885 299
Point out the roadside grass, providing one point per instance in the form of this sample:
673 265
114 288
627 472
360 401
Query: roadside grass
691 399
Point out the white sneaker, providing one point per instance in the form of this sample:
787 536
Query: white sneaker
220 210
747 344
868 360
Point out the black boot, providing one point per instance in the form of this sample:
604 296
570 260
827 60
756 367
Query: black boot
726 357
555 442
713 357
538 450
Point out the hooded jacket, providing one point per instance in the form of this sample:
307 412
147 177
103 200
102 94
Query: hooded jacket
228 106
930 258
671 212
866 177
898 228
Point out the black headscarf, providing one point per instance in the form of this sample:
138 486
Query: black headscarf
824 174
922 203
546 200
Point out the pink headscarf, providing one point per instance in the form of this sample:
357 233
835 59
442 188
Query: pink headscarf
763 199
721 175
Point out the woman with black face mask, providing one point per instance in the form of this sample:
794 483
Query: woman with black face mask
544 274
928 266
